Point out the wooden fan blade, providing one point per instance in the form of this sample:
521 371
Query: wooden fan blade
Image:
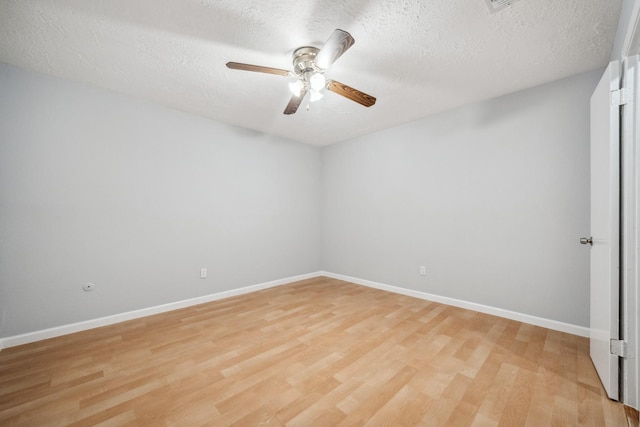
257 68
337 44
351 93
295 102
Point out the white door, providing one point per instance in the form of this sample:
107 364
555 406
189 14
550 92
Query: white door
605 226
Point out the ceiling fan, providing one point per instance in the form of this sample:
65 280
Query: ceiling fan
309 66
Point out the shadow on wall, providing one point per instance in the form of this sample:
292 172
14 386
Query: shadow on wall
493 112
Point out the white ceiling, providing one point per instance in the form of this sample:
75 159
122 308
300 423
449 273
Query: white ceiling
416 57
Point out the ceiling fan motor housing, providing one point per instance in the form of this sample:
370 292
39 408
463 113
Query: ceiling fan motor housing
304 60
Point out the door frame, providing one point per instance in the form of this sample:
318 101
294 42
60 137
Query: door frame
627 50
630 233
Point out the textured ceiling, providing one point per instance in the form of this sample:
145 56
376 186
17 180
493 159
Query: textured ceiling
416 57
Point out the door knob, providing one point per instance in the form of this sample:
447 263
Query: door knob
586 240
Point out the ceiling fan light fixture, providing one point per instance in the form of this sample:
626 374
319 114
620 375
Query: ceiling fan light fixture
296 87
315 95
317 82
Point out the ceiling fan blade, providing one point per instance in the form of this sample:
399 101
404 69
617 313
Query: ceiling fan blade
295 102
351 93
337 44
257 68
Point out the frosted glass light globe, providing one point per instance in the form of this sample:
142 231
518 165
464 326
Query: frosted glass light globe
317 82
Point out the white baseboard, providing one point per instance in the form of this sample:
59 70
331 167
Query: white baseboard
122 317
144 312
520 317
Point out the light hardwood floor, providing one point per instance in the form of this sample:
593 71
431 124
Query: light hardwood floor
317 352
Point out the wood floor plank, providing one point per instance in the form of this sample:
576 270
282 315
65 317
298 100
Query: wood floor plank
316 352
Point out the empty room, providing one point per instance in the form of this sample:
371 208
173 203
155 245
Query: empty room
319 213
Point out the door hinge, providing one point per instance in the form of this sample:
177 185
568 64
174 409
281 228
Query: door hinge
620 97
618 348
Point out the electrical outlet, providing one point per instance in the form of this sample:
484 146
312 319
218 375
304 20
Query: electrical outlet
203 273
423 270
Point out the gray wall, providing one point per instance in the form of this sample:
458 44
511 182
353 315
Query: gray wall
136 198
492 198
